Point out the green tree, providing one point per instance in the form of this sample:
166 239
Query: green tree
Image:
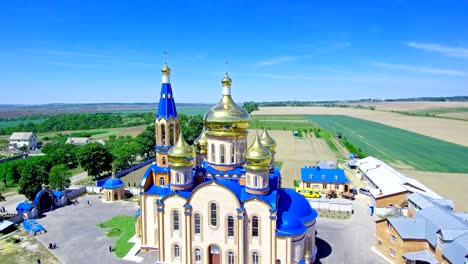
146 140
62 153
124 151
250 106
32 177
59 177
191 126
95 159
23 148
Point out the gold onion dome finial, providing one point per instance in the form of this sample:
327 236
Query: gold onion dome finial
267 141
165 69
257 155
226 81
182 153
226 118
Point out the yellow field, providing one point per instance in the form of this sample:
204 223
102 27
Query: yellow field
295 153
454 131
410 106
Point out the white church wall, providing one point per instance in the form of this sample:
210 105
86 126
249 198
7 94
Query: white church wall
262 244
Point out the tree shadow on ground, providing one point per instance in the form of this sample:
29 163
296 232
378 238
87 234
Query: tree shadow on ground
323 250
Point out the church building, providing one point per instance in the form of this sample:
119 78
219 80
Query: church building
220 200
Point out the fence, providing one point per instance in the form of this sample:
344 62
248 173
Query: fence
391 211
331 206
122 173
73 193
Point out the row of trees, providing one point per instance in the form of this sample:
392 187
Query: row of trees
82 122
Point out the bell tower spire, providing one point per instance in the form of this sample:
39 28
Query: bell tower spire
166 124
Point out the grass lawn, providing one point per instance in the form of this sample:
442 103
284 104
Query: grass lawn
122 228
397 146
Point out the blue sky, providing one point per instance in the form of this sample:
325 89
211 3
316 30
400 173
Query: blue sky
112 51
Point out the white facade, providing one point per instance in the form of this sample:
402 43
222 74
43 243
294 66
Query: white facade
19 139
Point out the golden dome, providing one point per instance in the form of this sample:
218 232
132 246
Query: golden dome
181 154
226 118
267 141
201 142
257 156
226 81
165 69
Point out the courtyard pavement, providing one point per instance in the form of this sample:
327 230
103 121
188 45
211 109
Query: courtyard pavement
348 241
79 240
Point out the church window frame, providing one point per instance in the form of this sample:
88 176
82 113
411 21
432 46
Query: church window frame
163 134
163 160
176 252
175 221
230 226
197 256
171 134
161 180
177 177
231 257
255 181
186 177
233 154
222 154
213 153
213 214
197 224
255 227
255 257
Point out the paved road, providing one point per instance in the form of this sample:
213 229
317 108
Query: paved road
348 241
78 177
78 238
11 201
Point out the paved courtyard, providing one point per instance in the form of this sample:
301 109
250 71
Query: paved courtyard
78 238
348 241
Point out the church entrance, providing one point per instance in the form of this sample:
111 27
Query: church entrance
215 255
44 200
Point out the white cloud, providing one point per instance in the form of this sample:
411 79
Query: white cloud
420 69
276 60
444 50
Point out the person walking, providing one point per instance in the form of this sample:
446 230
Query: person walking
110 248
39 261
54 245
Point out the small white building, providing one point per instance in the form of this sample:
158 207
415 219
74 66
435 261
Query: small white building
19 139
80 141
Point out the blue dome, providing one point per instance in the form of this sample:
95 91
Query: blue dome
294 203
113 183
289 224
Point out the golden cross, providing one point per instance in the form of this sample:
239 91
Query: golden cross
227 69
165 55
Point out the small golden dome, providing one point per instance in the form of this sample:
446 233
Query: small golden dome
181 154
226 81
165 69
257 155
201 142
267 141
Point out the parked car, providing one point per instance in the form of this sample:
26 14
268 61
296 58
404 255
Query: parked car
364 191
353 190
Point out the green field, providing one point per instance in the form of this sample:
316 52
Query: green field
397 146
10 123
280 122
190 111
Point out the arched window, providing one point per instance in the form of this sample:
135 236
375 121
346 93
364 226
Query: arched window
230 227
230 257
254 226
223 153
163 160
186 177
171 134
233 159
176 251
297 252
175 221
197 224
197 256
213 215
255 258
163 134
213 153
161 181
255 179
177 176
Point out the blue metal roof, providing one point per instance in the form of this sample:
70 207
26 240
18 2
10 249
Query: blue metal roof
409 228
166 106
153 168
113 183
32 226
317 174
57 194
423 255
24 207
293 209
